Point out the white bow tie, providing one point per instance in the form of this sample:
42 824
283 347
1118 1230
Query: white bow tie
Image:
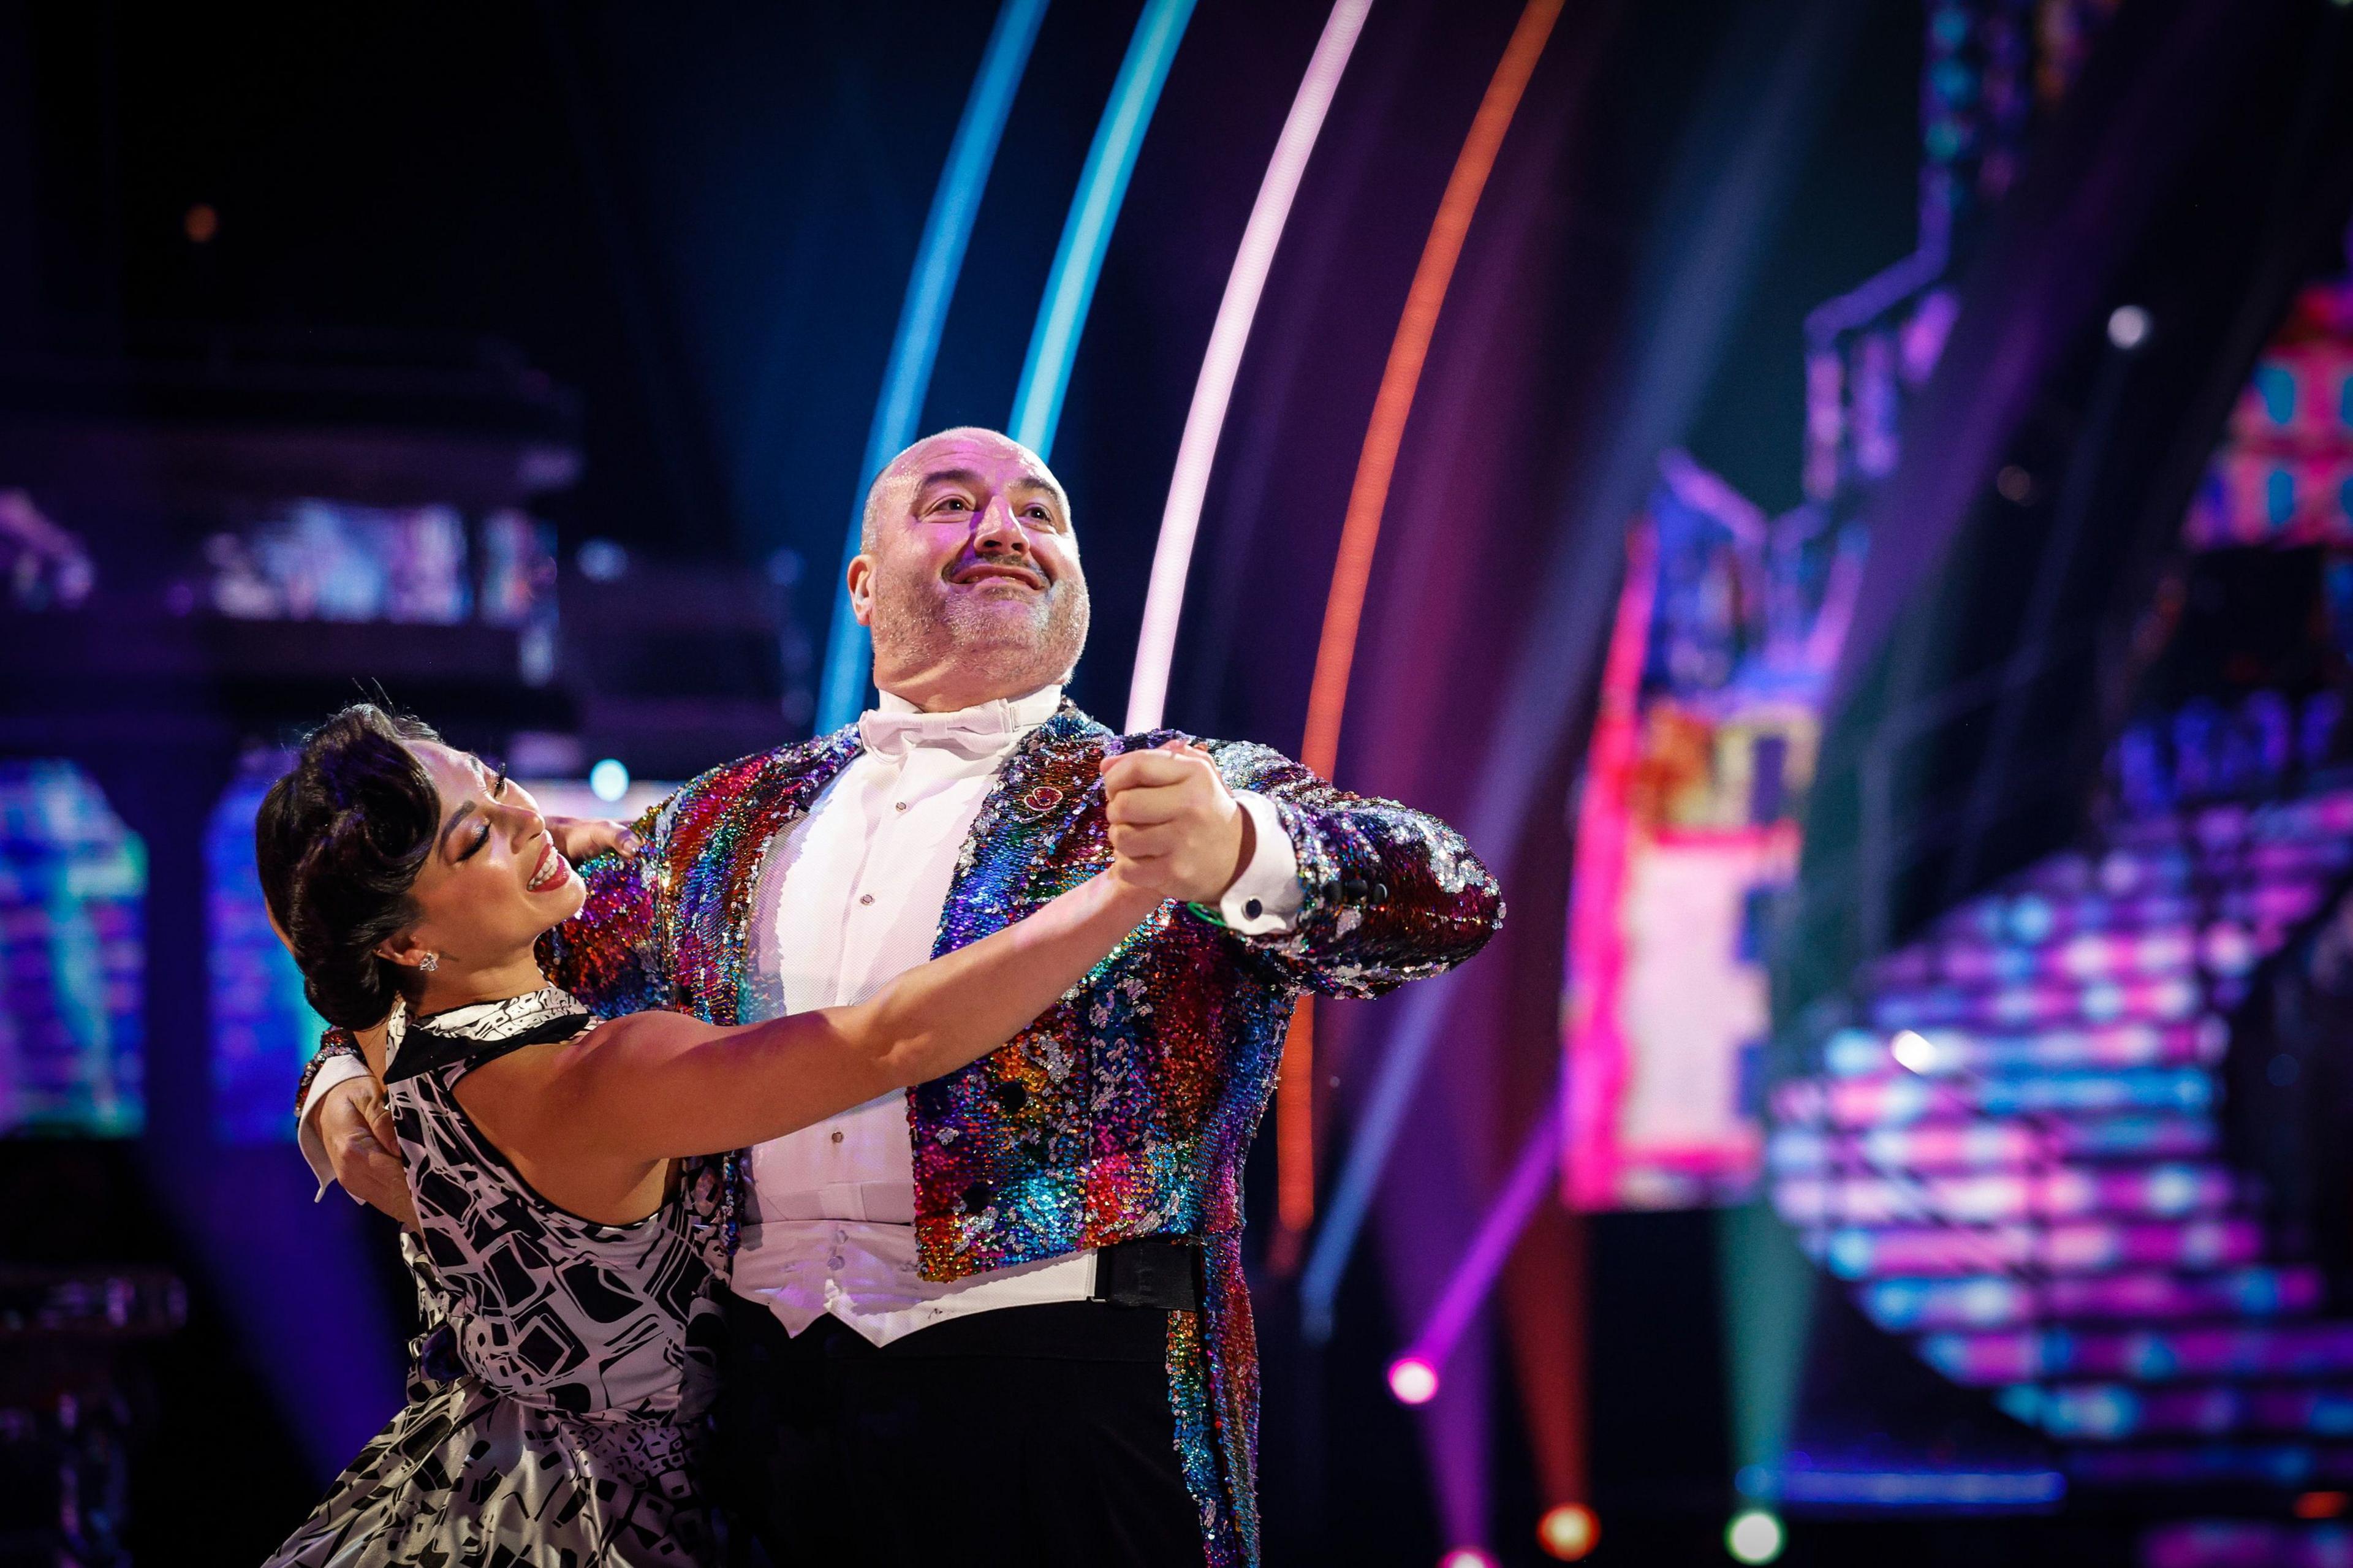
968 732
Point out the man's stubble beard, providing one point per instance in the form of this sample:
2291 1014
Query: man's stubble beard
915 627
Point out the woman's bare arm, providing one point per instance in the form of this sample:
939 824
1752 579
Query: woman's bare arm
655 1086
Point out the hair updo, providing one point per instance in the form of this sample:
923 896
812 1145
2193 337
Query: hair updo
340 841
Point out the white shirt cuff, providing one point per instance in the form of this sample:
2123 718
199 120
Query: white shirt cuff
335 1070
1264 900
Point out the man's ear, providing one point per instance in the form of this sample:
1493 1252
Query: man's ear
861 589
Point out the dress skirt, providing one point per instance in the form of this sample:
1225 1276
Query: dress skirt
464 1478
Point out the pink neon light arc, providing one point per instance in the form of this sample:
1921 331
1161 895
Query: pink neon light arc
1595 1063
1172 560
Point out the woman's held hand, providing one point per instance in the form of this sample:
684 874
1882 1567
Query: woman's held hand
1176 829
579 839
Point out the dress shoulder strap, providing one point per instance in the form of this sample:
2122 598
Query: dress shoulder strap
469 1036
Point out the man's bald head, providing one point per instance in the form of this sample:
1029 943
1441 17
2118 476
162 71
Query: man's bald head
907 469
967 571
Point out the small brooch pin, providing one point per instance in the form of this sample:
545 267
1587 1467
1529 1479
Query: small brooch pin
1042 800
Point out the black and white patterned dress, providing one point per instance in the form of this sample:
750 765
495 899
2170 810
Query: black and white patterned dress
556 1401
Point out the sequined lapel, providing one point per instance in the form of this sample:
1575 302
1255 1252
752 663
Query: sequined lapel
1041 792
721 872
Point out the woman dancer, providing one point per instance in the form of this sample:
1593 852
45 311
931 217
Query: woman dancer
568 1234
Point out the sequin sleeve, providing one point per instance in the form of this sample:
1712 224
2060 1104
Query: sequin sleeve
334 1043
1390 894
610 956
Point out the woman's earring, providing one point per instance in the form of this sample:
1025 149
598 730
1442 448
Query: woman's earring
430 962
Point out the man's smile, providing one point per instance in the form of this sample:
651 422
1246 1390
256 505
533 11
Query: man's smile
1000 571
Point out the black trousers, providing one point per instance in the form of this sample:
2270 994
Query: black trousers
1027 1437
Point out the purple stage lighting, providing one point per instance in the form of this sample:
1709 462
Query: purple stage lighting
1531 1178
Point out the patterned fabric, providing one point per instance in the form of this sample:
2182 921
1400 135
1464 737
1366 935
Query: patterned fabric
464 1477
477 1034
1126 1109
556 1401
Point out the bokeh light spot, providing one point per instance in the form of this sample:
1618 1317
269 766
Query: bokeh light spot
1755 1535
1569 1531
1413 1380
608 781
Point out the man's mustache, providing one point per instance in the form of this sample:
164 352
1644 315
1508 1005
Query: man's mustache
997 566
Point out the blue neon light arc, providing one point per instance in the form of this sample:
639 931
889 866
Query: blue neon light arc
1086 232
915 346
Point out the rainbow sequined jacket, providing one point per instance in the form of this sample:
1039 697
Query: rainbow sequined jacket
1125 1111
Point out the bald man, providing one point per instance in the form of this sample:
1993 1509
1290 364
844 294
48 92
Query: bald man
1000 1319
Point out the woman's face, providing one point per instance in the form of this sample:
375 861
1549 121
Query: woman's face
493 881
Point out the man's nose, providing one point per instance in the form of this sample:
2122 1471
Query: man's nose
1000 532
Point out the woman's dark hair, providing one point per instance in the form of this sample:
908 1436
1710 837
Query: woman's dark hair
340 840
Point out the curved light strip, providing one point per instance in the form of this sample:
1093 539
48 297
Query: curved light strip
1163 602
1731 178
1180 521
1086 232
1327 698
939 258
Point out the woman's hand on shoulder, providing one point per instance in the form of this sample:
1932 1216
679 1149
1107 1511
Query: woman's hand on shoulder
579 839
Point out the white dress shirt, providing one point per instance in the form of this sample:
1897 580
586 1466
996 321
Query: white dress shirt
849 896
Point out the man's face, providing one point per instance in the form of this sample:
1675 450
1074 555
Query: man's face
970 579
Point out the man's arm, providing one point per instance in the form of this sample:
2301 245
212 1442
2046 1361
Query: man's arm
1387 894
336 1062
1342 894
343 1126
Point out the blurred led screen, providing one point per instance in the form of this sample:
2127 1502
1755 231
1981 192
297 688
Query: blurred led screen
328 561
72 960
2056 1143
1687 832
262 1029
